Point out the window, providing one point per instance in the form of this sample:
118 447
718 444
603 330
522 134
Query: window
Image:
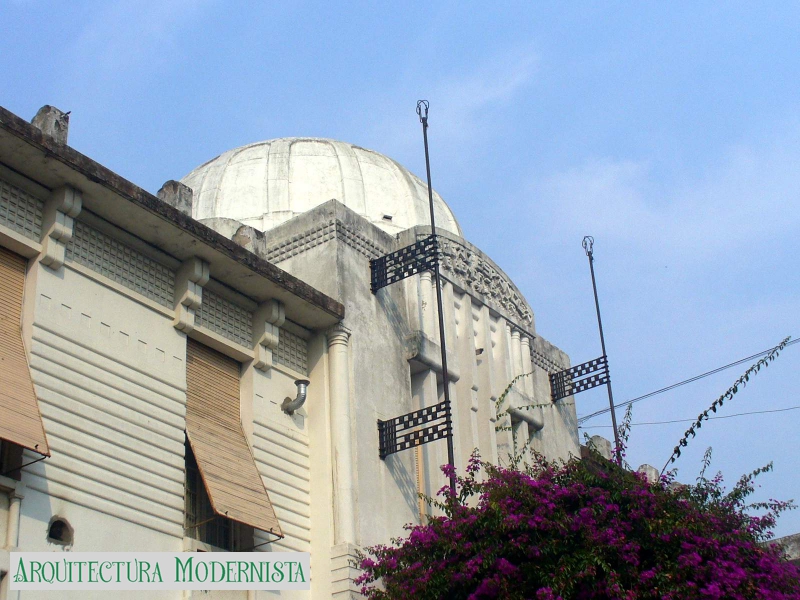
10 460
202 523
222 478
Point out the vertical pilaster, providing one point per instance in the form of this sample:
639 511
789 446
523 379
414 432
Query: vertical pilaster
487 384
527 367
516 353
467 386
459 412
505 369
530 390
427 303
504 363
434 455
339 387
14 505
521 436
520 428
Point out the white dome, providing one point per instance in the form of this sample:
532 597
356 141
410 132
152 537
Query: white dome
267 183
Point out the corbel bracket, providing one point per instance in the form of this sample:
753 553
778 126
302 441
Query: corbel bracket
267 321
192 275
64 205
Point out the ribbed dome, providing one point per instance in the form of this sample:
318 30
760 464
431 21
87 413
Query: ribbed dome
267 183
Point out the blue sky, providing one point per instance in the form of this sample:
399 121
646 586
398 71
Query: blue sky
668 131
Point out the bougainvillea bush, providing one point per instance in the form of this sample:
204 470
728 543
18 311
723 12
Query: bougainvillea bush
584 529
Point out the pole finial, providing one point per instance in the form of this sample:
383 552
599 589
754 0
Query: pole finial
588 244
422 110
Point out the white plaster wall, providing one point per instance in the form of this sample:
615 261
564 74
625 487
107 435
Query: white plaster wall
94 531
316 247
380 389
110 377
281 448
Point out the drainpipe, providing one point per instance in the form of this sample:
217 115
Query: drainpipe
289 405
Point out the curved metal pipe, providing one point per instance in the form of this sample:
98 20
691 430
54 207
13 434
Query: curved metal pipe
535 423
289 405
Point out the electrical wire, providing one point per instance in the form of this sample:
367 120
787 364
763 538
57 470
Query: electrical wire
684 382
755 412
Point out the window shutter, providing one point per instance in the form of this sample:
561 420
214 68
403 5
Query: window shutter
20 420
214 429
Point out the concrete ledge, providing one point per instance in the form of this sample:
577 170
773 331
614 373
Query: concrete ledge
19 243
423 353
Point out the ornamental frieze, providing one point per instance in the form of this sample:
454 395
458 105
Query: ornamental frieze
475 273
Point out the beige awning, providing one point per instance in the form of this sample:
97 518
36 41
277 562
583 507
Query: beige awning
214 429
20 420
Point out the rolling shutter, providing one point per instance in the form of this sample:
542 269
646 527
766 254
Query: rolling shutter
214 429
20 420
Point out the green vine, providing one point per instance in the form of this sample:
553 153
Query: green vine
501 398
728 395
499 402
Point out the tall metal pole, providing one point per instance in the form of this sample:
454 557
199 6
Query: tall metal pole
588 244
422 111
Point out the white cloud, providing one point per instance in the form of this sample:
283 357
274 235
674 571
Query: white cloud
465 101
127 40
465 105
748 198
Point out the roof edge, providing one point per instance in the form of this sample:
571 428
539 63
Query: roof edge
100 175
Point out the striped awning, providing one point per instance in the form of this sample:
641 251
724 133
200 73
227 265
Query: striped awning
20 419
214 429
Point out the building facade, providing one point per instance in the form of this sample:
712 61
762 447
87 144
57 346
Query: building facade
149 347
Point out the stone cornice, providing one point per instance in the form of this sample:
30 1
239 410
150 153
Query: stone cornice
307 240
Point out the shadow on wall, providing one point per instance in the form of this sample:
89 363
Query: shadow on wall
406 482
393 314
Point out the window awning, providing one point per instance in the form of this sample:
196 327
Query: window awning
214 429
20 419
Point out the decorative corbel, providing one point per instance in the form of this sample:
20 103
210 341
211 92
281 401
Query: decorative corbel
189 281
267 321
64 205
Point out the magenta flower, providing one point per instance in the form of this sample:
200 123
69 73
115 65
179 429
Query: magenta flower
585 530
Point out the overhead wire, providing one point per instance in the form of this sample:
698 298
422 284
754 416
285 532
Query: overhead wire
755 412
684 382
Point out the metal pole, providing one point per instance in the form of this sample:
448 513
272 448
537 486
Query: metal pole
588 244
422 111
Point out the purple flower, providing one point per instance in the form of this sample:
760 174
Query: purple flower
581 530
